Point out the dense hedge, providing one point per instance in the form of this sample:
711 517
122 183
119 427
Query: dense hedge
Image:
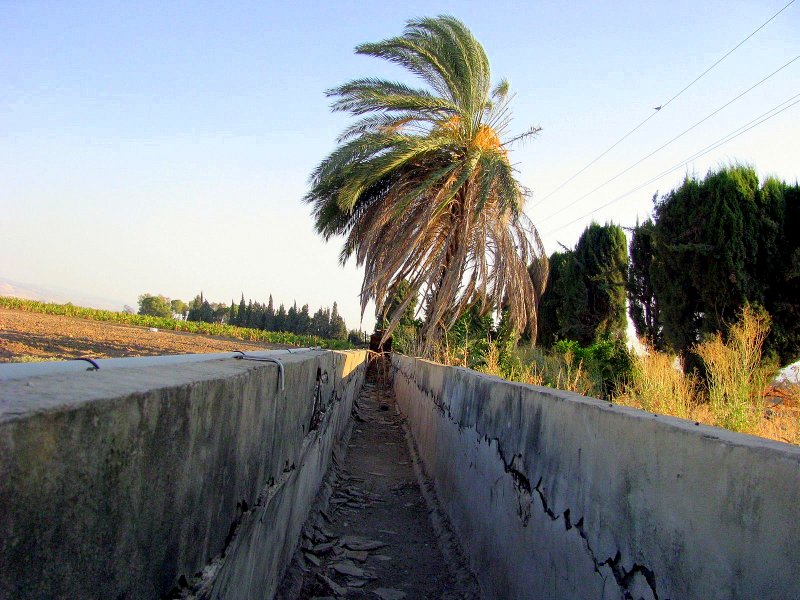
242 333
714 246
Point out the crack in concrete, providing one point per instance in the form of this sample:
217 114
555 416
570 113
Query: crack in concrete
625 578
199 587
522 485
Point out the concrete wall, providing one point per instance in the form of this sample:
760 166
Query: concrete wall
559 496
115 483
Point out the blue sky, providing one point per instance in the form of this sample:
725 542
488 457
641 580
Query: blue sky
165 147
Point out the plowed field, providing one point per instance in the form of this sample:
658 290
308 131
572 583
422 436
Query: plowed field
28 336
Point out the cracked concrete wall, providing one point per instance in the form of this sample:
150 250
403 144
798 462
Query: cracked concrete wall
554 495
120 483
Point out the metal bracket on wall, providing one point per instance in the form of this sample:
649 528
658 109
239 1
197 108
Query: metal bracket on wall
242 356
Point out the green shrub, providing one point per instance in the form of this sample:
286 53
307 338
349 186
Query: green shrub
608 361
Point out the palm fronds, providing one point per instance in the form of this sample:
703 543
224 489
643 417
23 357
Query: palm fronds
421 185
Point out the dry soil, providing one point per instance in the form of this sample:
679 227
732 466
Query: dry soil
28 336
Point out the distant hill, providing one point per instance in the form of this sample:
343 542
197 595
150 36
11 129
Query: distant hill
60 295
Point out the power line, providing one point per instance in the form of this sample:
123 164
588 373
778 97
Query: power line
713 146
727 138
665 144
667 103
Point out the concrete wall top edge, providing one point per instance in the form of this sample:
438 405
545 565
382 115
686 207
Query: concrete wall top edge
13 370
22 397
708 432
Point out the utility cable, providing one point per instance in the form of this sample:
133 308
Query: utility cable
714 146
665 104
723 140
728 137
665 144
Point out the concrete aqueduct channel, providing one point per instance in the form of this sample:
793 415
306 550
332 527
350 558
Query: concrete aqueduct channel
212 476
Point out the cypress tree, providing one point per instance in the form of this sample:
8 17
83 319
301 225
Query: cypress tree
247 321
602 257
194 309
585 296
304 321
242 314
338 328
642 302
714 246
291 318
319 324
563 300
206 312
269 316
280 319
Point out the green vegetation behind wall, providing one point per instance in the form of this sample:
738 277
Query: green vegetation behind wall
713 247
585 296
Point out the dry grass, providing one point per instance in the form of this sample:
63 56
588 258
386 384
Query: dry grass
737 396
658 386
443 352
736 377
492 361
780 424
564 372
782 413
532 366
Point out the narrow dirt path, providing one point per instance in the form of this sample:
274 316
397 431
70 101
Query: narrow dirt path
381 534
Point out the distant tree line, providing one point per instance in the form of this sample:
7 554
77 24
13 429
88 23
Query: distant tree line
325 323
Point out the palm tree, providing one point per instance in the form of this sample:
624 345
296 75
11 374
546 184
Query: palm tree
422 187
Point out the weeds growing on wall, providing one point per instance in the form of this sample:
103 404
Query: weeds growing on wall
608 361
596 370
526 364
733 391
564 370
